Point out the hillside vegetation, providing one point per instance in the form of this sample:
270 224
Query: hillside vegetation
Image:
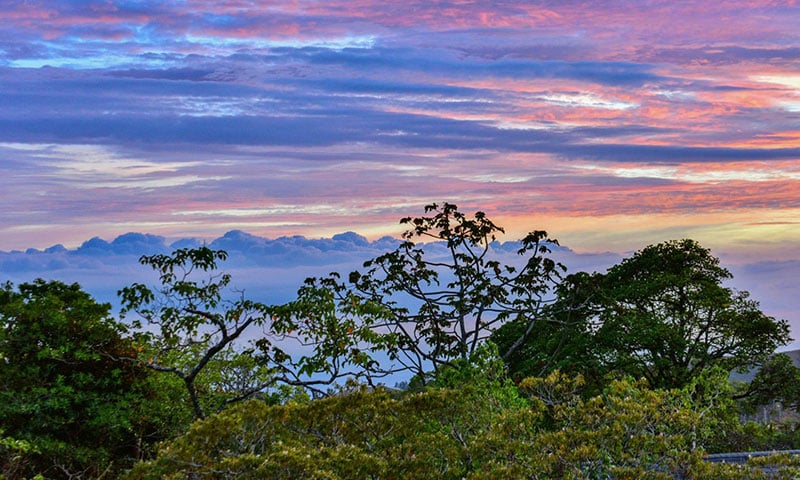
513 370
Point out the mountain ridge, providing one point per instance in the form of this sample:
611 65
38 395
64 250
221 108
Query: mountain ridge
138 243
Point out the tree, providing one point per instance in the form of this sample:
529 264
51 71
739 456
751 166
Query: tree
776 382
191 333
560 341
665 315
427 305
72 409
14 456
223 347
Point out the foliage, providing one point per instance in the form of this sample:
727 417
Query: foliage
14 456
425 306
777 380
631 369
662 314
470 429
69 407
223 347
359 434
559 342
628 428
628 431
190 331
788 465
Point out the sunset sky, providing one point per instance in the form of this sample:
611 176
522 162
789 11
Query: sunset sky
610 124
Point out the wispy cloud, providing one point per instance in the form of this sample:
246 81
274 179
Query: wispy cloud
192 118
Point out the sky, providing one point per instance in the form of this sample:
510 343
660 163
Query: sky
612 125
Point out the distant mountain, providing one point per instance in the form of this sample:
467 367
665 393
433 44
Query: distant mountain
748 376
294 250
245 250
234 241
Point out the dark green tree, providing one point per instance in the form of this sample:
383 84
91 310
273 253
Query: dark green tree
560 341
776 380
664 314
64 395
